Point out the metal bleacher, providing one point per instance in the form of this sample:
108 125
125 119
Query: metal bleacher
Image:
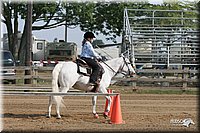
161 38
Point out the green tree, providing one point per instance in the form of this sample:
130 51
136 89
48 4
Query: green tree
10 12
97 42
46 12
101 17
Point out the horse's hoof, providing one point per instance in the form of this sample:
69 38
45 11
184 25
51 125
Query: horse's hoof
58 117
105 115
48 116
96 116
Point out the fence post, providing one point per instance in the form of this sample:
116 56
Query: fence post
35 76
185 77
134 85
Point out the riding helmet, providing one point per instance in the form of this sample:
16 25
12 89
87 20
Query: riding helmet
89 35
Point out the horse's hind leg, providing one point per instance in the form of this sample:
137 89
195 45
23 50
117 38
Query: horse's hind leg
49 107
59 101
58 104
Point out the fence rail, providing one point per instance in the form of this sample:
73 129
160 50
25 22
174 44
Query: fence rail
27 88
174 80
46 91
57 94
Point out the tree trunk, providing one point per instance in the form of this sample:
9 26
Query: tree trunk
8 22
10 35
15 35
22 48
28 41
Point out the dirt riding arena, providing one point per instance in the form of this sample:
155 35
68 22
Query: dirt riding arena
141 112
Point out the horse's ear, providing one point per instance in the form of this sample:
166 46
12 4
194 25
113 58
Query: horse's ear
122 55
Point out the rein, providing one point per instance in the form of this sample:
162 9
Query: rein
109 67
125 63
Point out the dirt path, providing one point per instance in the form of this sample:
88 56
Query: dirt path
141 112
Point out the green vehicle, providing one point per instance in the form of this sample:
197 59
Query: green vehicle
48 53
61 51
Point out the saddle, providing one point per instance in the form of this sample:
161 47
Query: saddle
83 67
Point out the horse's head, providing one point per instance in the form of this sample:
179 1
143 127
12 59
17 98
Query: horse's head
127 68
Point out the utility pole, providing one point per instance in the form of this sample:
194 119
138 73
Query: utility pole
66 32
66 24
28 40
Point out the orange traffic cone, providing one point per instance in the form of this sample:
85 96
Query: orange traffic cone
116 117
109 113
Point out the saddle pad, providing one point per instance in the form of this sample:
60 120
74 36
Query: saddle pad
83 68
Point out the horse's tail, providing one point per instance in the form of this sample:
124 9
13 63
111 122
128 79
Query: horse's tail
55 75
55 88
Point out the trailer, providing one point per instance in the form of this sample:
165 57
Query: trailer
48 53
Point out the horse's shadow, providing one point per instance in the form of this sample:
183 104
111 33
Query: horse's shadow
33 116
82 117
11 115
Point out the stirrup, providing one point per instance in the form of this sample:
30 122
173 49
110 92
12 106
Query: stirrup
92 84
95 88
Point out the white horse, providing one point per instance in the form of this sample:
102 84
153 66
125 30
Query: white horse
67 76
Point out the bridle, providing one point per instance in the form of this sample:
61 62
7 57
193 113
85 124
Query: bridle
127 65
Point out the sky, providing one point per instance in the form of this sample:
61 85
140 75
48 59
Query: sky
74 35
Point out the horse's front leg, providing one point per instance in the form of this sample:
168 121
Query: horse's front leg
94 102
106 113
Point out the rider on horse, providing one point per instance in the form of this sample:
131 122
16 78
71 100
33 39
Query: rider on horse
91 58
